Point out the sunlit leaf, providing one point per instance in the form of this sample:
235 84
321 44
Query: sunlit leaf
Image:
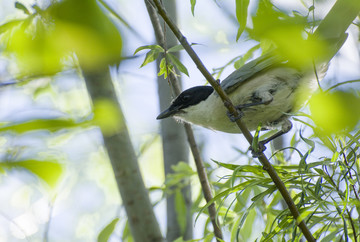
335 112
105 234
178 64
48 171
108 116
241 15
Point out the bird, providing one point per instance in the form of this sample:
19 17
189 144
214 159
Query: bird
266 91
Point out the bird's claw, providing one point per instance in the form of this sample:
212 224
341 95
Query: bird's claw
233 118
261 148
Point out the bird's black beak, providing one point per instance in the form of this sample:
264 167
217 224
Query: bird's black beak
167 113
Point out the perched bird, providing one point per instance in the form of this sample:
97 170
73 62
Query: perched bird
267 90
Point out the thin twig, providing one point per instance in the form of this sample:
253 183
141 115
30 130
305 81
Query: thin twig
228 104
201 170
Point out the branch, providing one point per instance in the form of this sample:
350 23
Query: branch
228 104
201 170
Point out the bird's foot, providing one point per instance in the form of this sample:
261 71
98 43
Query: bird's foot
233 118
259 151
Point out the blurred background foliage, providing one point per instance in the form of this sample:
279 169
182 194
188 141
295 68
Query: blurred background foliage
56 181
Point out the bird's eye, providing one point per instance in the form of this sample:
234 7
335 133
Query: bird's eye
185 97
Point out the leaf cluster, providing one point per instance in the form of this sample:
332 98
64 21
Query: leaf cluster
168 60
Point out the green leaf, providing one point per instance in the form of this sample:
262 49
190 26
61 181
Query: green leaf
20 6
10 25
255 141
176 48
51 125
105 234
226 165
163 68
310 142
151 56
48 171
180 208
83 27
108 116
249 225
241 15
178 64
335 112
263 194
193 2
149 47
43 45
331 237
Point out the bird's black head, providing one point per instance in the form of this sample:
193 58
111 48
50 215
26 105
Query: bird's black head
187 98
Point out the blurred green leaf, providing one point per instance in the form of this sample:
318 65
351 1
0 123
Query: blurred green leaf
335 112
51 125
126 234
331 237
270 24
48 171
182 173
249 225
241 15
193 3
180 208
43 42
10 25
105 234
83 27
36 52
21 6
108 116
184 168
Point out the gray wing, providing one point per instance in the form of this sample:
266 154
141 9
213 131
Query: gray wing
249 70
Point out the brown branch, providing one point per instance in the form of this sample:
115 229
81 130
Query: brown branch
201 170
228 104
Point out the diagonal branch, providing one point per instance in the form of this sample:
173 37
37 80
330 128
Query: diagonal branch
201 170
228 104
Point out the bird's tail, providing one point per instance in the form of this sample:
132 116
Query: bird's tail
332 28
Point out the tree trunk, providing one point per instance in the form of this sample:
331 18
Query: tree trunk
175 147
141 217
